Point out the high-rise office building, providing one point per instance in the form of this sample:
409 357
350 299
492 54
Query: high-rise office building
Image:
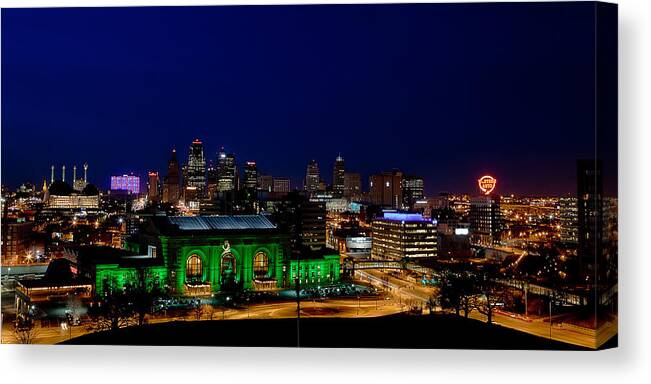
413 188
312 224
212 179
403 235
251 175
172 182
485 220
195 173
265 183
590 219
569 220
153 187
386 189
352 185
312 177
338 176
282 185
227 171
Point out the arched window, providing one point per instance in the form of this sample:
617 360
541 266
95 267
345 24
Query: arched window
194 268
260 264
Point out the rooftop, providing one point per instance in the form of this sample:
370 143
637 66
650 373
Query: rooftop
400 216
206 223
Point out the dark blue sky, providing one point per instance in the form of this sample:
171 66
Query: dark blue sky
449 92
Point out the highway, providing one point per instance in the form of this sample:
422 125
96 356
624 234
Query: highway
539 326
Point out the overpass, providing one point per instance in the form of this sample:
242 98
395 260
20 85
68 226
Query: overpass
19 271
352 265
355 265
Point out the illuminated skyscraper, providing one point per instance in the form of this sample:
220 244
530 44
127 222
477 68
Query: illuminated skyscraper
569 218
171 183
590 218
485 219
386 189
251 175
226 171
196 170
312 177
153 187
412 189
312 224
338 178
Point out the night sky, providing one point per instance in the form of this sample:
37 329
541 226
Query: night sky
447 92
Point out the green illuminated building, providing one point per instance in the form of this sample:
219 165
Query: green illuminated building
207 254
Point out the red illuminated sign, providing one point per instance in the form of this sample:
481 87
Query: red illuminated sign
487 184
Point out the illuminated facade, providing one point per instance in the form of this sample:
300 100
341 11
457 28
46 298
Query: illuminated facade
226 171
338 178
569 220
251 175
403 235
312 177
413 189
73 202
207 254
590 219
195 171
153 187
128 183
485 220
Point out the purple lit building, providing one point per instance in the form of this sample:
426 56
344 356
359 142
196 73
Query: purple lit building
128 183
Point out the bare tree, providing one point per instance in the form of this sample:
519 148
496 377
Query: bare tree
198 311
24 330
458 291
112 313
143 294
491 292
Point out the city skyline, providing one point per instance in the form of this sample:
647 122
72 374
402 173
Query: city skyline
450 169
56 172
426 107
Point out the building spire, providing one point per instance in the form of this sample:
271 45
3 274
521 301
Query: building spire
52 174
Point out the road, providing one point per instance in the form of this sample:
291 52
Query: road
414 292
341 307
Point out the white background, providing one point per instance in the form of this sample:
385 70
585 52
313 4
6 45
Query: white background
629 363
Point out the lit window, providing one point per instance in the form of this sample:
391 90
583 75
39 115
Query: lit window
260 264
194 268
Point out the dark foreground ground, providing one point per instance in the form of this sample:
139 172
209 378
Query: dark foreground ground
399 331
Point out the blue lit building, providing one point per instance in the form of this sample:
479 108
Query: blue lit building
397 236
